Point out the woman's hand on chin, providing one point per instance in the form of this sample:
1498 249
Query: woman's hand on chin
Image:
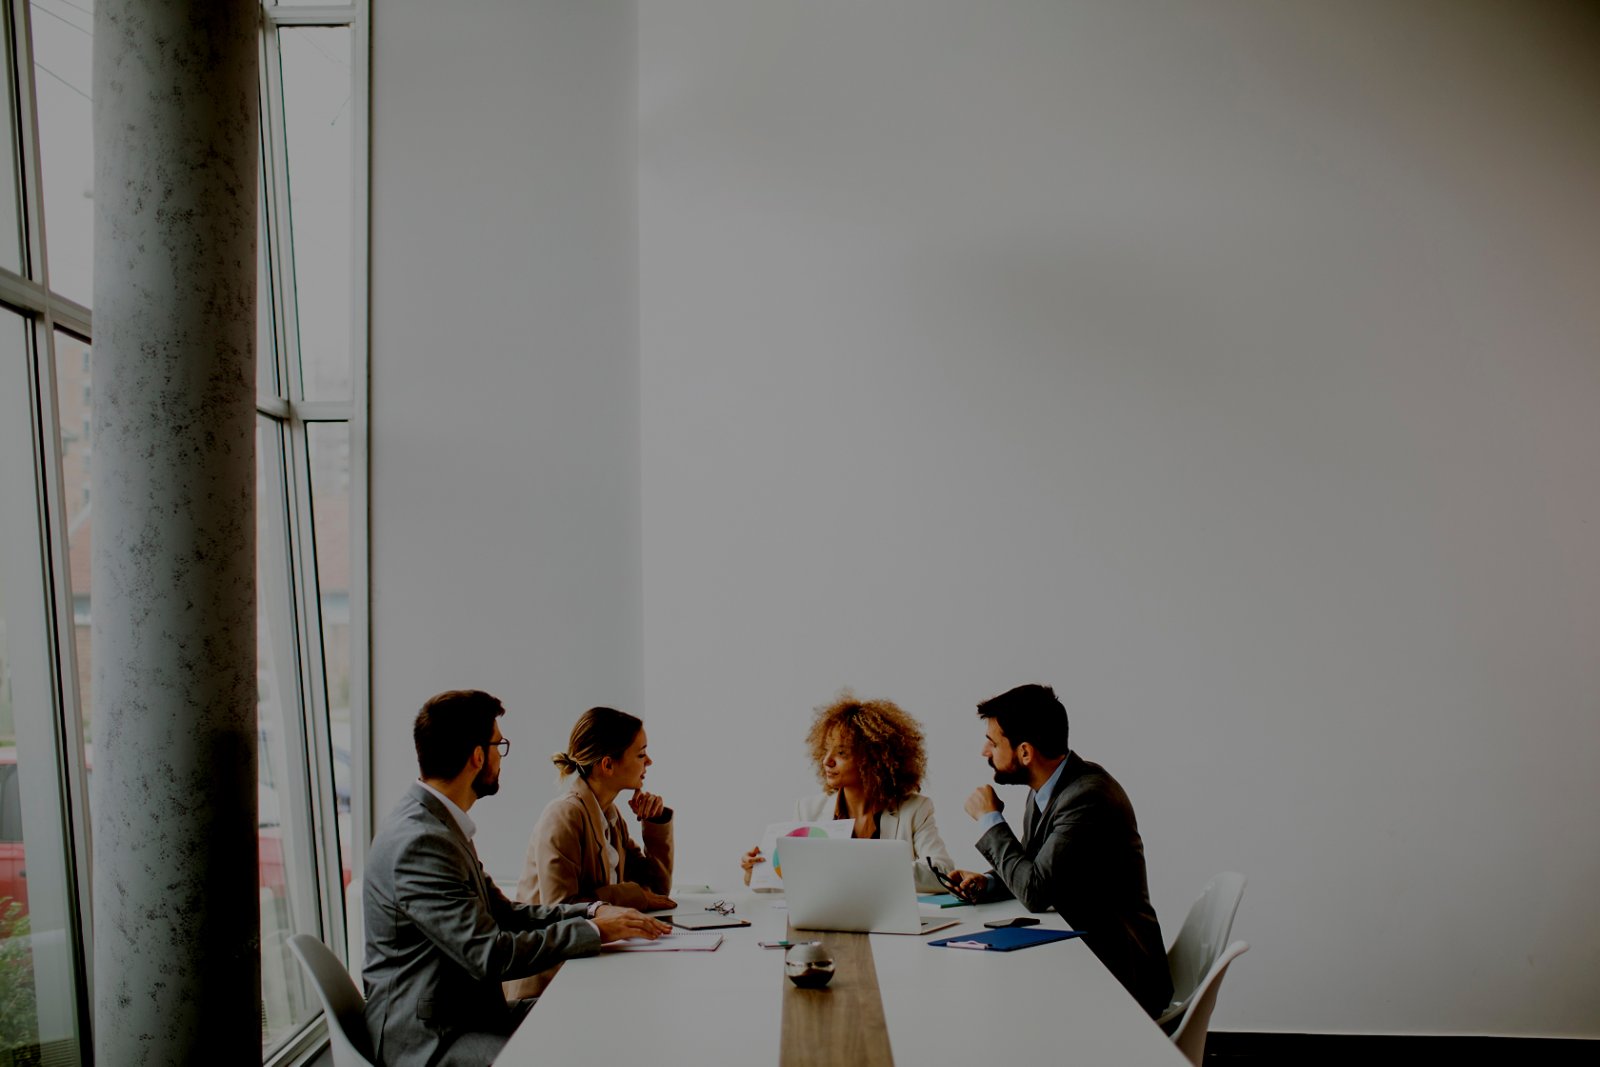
646 805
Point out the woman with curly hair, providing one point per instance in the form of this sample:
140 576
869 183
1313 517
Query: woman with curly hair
870 760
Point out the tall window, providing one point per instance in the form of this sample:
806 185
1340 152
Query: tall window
311 436
311 503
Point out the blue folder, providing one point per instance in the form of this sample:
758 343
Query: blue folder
1006 939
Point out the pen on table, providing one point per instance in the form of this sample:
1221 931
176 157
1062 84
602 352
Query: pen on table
786 944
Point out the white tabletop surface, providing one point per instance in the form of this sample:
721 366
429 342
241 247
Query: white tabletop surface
941 1005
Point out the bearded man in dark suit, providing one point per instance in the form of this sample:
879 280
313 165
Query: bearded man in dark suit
1080 850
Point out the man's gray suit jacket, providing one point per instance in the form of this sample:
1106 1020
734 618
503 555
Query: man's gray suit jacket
1085 858
441 937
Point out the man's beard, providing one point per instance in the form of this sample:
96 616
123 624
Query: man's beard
1017 775
483 785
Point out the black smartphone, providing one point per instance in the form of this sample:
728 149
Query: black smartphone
1020 920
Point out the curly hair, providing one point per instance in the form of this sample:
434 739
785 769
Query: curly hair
885 743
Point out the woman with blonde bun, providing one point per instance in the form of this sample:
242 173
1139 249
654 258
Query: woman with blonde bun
581 849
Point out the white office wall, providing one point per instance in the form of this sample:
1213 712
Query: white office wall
1232 366
504 404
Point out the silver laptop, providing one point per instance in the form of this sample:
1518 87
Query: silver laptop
859 886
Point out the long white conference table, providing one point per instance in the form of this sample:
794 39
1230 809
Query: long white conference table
1052 1003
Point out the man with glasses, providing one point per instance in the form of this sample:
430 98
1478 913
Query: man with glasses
440 936
1080 850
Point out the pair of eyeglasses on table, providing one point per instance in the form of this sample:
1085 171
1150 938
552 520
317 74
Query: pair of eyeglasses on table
950 886
721 907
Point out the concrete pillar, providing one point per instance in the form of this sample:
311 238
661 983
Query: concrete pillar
176 928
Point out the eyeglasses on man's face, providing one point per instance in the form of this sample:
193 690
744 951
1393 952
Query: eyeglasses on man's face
504 745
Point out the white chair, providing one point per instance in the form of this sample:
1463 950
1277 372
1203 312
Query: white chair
355 934
1190 1036
1205 932
341 1001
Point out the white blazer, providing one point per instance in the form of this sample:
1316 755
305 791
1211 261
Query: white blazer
912 821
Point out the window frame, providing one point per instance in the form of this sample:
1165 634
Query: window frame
288 556
308 732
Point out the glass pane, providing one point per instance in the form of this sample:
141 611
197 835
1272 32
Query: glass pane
74 399
329 444
63 45
38 999
318 109
287 896
266 356
10 216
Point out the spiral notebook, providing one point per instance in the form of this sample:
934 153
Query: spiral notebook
1006 940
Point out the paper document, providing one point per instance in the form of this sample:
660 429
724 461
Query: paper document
768 877
689 920
667 943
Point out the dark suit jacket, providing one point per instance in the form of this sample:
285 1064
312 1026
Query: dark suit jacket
441 937
1086 860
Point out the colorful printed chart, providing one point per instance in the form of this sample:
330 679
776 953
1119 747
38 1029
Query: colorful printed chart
768 877
798 831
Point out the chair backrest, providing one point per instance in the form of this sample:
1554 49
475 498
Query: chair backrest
1190 1036
1205 931
341 1001
355 933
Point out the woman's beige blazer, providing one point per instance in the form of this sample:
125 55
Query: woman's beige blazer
566 862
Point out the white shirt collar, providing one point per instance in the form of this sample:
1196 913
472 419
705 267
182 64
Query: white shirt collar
462 819
613 857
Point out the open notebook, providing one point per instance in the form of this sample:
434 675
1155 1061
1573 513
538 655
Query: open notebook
673 942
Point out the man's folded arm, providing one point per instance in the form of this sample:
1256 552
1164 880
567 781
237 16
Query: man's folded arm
515 915
440 897
1034 881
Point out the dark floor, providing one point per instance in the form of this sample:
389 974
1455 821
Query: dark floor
1316 1050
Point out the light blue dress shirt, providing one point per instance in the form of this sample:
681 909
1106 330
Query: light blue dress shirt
1040 798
